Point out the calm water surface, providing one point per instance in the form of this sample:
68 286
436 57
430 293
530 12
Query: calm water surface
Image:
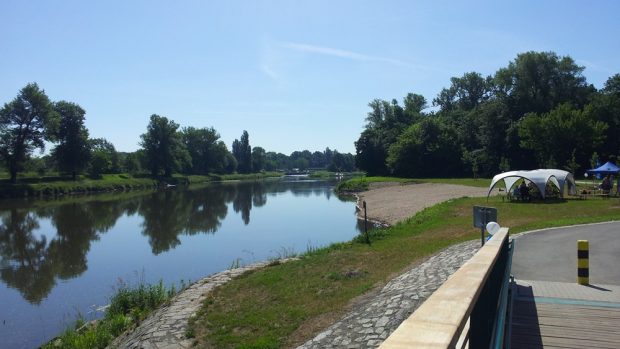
59 258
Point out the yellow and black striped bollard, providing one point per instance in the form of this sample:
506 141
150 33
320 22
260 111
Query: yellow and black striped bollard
583 263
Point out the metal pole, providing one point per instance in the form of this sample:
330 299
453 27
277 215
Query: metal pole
484 223
366 224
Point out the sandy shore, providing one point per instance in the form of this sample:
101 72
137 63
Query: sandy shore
392 202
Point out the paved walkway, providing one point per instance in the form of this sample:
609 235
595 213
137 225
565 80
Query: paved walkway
371 322
551 254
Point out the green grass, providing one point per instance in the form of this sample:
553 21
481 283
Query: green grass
473 182
361 183
127 308
285 304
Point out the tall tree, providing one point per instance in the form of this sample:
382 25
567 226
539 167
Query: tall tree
103 157
606 107
465 93
539 81
73 152
163 147
23 125
554 135
243 153
258 159
426 149
207 152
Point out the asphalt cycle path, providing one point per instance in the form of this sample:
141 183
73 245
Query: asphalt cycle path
551 254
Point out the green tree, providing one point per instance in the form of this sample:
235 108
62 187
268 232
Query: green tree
73 152
414 104
342 162
465 93
539 81
549 135
230 166
103 157
242 151
207 151
606 108
370 153
164 149
426 149
259 159
276 161
131 164
24 124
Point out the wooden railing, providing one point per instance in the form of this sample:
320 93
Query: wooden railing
468 310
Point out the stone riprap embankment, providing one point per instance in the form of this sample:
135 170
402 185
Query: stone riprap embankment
372 321
167 327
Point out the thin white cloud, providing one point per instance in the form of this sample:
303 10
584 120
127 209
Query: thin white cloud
269 61
335 52
275 58
266 68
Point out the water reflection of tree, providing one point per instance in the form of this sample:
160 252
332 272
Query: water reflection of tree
170 213
76 226
23 265
248 195
30 264
208 209
165 214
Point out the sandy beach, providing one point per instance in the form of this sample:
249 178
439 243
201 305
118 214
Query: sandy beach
390 203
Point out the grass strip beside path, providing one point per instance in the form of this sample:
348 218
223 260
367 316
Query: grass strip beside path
362 183
285 305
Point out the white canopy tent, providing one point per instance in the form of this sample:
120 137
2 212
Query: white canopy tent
540 178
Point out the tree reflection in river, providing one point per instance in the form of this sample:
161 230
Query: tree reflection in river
24 263
32 259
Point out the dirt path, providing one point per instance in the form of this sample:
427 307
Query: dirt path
393 202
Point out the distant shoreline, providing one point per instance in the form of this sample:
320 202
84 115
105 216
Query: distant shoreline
40 188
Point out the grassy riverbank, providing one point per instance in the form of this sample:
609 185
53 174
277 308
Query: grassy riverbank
127 308
286 304
361 183
54 186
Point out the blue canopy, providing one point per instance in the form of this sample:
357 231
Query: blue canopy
607 168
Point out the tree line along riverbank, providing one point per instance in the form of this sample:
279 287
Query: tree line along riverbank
58 186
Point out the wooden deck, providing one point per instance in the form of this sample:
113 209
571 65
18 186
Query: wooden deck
549 322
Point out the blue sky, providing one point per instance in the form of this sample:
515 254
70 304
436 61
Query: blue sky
294 74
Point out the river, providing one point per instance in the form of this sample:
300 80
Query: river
60 258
